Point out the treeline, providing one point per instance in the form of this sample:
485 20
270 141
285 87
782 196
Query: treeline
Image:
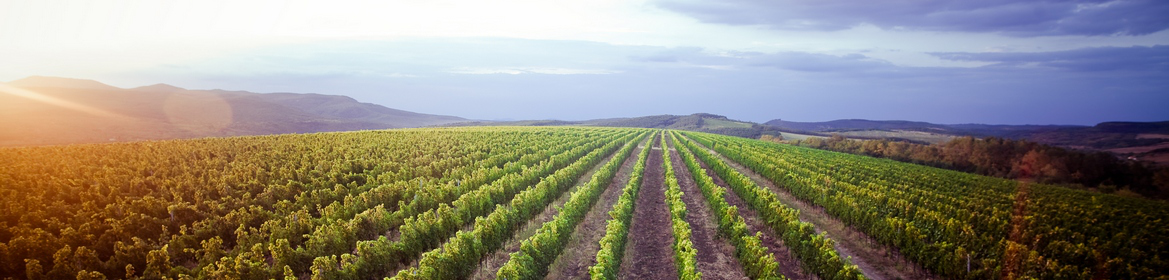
1014 159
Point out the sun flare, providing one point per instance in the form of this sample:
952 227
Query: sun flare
36 96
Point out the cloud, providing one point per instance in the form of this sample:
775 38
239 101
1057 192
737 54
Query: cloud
1136 58
813 62
400 75
531 70
793 61
678 54
486 78
1007 17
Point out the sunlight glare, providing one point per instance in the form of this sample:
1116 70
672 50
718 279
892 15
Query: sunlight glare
20 92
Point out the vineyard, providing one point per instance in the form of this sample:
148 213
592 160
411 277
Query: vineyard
545 203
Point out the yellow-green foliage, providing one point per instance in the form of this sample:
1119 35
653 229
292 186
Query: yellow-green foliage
756 261
959 225
539 250
612 244
249 207
815 251
685 256
456 258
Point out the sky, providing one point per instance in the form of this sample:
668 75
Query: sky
941 61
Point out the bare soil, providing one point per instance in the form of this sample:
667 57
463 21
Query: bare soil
1148 153
1139 149
1152 136
789 265
1011 258
877 261
1161 159
491 263
716 256
649 253
581 251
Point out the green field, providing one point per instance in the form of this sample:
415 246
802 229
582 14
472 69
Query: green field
536 202
721 123
925 137
797 136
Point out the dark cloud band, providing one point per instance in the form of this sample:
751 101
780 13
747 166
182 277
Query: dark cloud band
1012 18
1136 58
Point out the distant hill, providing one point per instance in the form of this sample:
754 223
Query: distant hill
857 124
1102 136
696 122
344 107
48 110
978 130
57 82
1142 140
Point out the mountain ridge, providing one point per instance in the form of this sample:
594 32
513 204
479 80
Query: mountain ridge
1135 140
87 111
59 82
703 122
1028 131
160 111
160 87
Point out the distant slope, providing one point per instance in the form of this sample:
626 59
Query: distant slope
1141 140
695 122
1102 136
978 130
57 82
346 108
84 111
857 124
1134 127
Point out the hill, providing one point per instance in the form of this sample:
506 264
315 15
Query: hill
1104 135
856 127
47 110
858 124
702 122
58 82
1142 140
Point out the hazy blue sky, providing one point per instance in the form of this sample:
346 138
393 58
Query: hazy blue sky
986 61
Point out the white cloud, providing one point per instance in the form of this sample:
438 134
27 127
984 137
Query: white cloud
717 67
400 75
58 37
524 49
531 70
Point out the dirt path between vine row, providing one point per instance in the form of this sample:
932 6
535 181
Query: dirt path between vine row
716 256
649 253
877 261
581 250
789 265
490 264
